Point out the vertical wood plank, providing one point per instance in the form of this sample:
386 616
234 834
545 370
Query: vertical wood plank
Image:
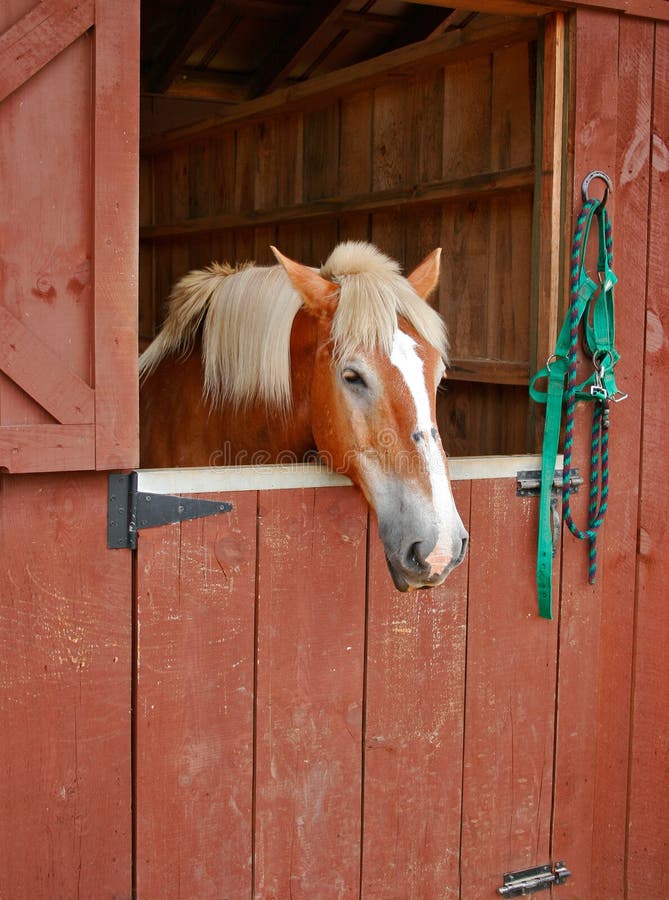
509 266
244 245
289 164
354 227
355 159
388 232
619 541
65 669
310 660
466 142
293 240
323 240
244 168
223 247
265 194
197 168
264 237
199 253
425 126
512 108
463 286
548 224
116 230
321 152
414 732
510 695
194 702
580 616
649 788
186 169
221 176
389 136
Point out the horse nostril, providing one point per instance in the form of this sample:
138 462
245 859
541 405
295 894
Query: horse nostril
415 558
463 551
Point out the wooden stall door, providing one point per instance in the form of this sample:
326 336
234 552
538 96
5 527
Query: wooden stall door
69 74
304 730
68 386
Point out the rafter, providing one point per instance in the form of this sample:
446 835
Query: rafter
295 47
183 39
424 22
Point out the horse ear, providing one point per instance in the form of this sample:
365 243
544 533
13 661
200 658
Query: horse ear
320 295
425 277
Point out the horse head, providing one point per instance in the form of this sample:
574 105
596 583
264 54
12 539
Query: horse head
379 359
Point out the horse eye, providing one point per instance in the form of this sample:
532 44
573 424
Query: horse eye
350 376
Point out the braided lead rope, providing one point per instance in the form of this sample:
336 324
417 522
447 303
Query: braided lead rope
599 453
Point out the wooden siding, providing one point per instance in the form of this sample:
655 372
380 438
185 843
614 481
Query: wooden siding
65 697
306 729
648 825
438 155
611 739
68 225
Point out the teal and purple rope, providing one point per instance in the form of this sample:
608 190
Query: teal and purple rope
599 454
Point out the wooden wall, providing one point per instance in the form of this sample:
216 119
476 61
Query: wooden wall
439 152
612 742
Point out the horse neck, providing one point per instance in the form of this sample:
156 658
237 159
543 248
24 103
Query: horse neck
179 428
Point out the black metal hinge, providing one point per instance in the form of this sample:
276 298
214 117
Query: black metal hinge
130 510
529 881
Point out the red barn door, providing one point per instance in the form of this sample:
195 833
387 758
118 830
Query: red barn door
68 247
305 730
68 234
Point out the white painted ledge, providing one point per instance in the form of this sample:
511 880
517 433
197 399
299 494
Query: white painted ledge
213 479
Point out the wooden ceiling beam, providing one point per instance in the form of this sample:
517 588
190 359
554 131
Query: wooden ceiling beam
421 24
183 39
264 10
290 49
509 7
198 84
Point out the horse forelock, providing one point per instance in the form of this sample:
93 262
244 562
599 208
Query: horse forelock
373 295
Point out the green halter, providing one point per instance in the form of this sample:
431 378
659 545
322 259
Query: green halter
591 303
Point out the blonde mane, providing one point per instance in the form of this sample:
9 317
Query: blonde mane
247 314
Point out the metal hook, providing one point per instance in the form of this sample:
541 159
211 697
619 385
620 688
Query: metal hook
586 183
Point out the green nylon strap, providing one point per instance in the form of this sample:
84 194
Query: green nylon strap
585 293
600 332
592 303
549 451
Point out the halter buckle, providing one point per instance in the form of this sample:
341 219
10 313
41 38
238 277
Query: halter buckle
598 391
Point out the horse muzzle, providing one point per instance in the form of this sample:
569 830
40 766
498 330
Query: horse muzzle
417 565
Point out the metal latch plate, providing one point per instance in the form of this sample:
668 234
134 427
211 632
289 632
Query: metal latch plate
529 881
529 482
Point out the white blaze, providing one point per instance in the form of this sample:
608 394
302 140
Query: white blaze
405 358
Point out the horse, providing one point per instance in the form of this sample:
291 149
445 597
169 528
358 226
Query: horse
288 363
